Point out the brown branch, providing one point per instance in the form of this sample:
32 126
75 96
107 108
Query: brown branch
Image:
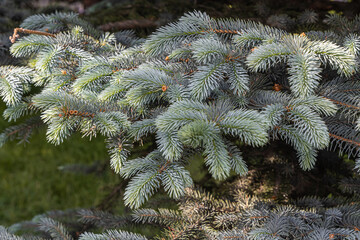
336 137
342 103
344 139
348 90
26 127
164 166
90 216
231 58
223 31
232 237
28 31
118 69
254 217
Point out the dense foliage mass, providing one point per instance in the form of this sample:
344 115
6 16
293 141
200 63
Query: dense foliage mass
202 216
198 85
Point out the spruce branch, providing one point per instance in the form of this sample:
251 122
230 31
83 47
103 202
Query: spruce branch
199 84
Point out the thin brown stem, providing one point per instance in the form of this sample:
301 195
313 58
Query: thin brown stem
28 31
345 139
164 166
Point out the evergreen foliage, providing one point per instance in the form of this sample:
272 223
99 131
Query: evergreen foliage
200 84
202 216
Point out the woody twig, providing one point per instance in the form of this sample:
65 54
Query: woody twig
28 31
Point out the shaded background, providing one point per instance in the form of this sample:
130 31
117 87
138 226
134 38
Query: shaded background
37 177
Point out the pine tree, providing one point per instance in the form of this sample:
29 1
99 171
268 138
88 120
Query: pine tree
197 85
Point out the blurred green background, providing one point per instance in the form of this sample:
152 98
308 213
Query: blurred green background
31 182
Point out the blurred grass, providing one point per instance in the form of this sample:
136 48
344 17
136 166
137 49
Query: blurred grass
32 184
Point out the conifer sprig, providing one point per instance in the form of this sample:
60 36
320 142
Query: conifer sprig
210 85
